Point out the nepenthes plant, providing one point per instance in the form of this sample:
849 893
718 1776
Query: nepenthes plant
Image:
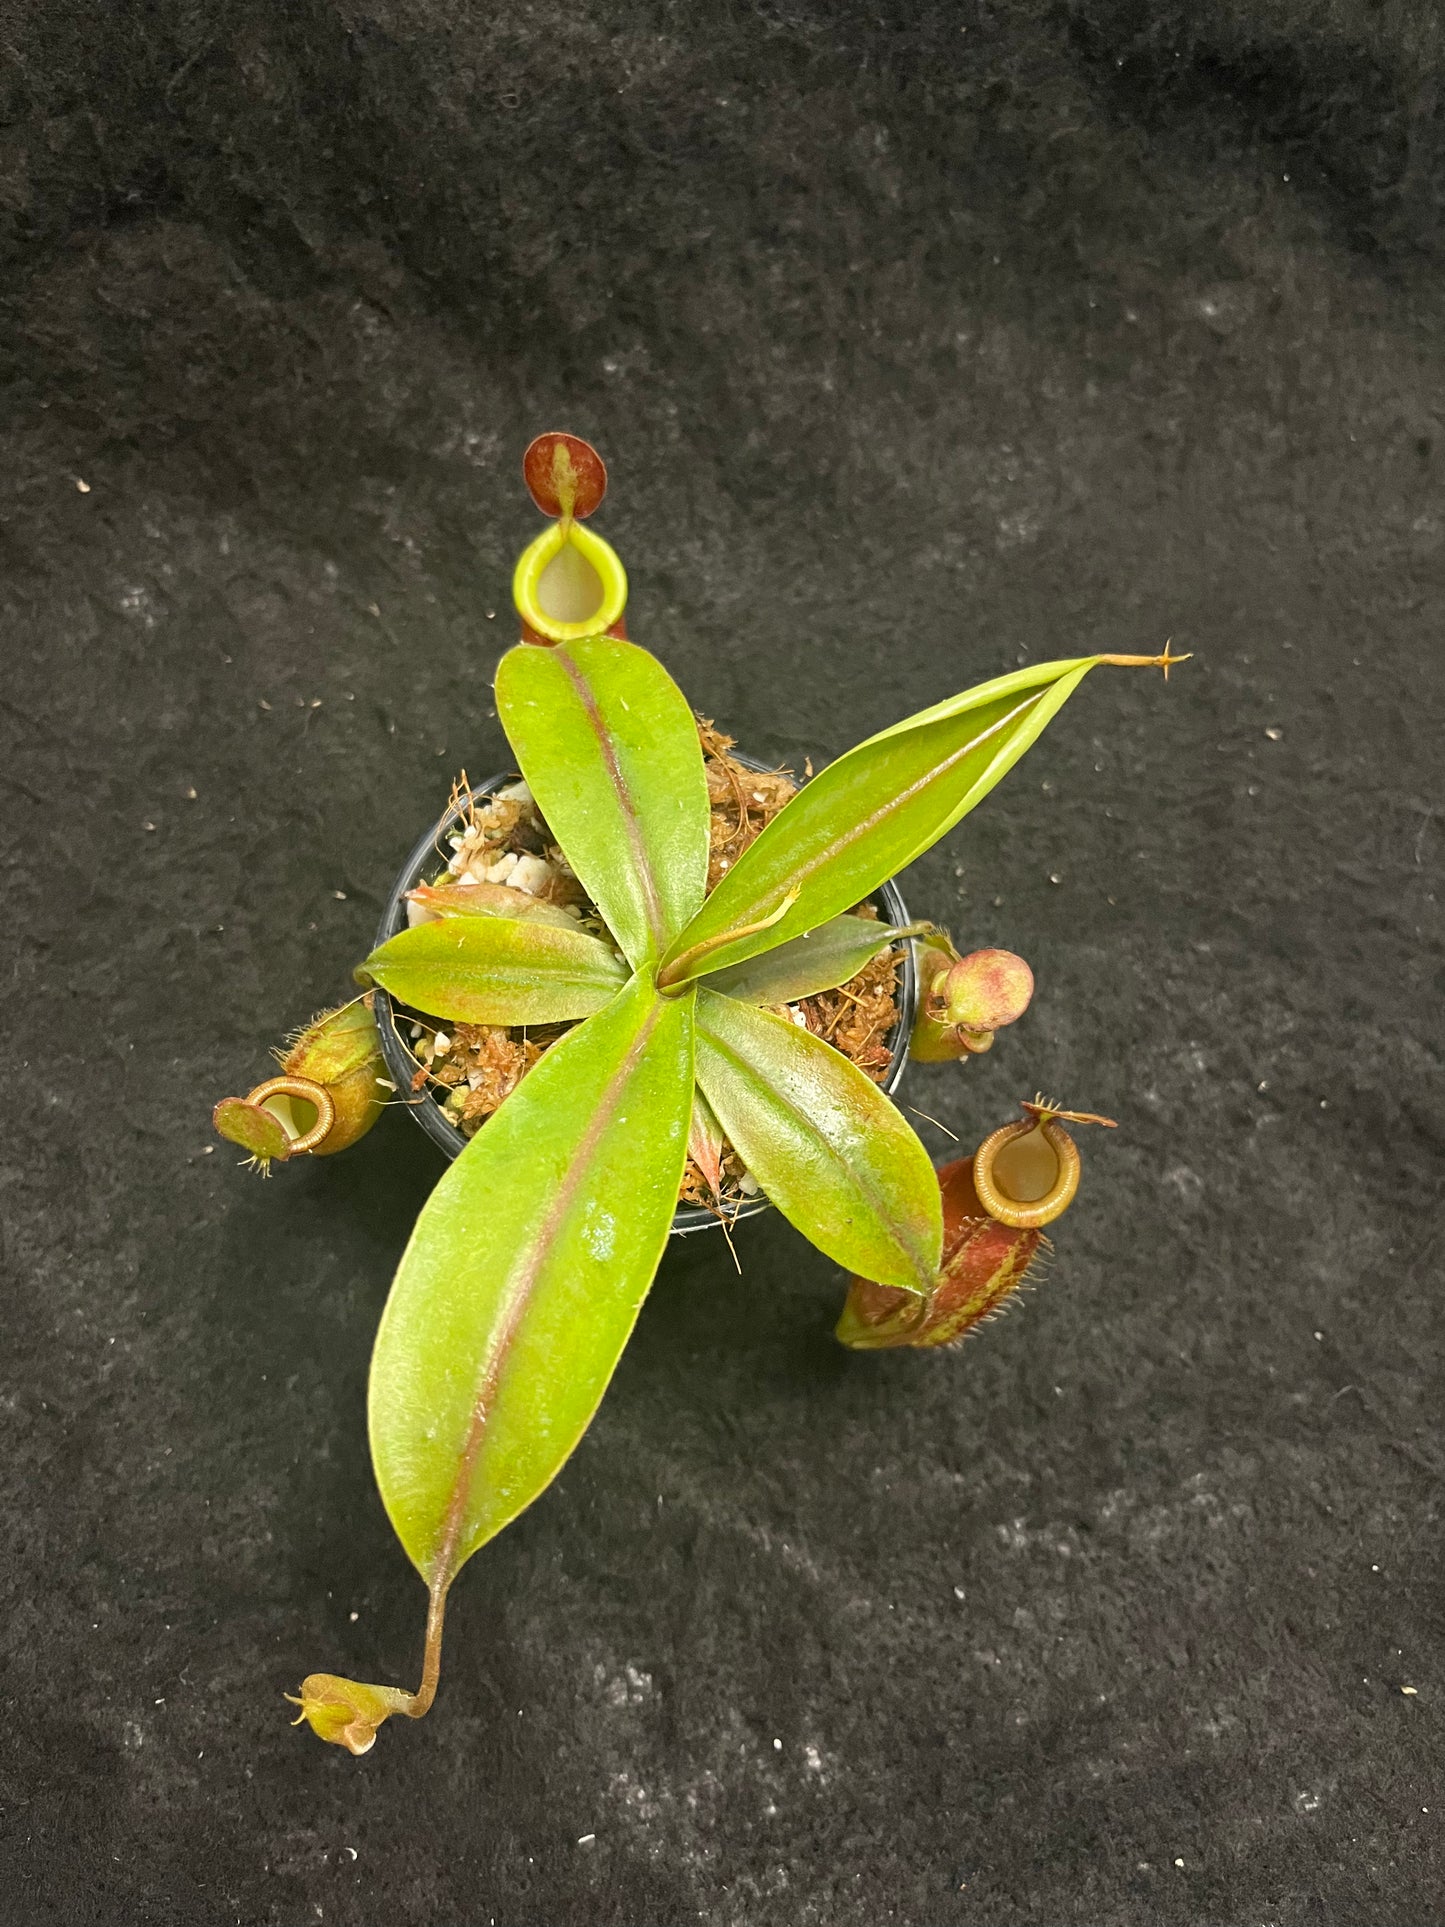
673 1026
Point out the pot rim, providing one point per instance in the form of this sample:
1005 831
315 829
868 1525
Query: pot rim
401 1065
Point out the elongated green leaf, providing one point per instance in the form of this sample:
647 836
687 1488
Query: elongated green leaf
497 970
868 815
609 746
829 1149
821 960
524 1277
489 900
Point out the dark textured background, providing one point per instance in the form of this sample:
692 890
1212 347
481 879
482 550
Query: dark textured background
922 341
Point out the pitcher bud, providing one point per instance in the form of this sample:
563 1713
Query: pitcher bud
345 1712
329 1093
986 990
964 1000
995 1205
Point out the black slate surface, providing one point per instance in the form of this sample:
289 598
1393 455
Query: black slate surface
922 341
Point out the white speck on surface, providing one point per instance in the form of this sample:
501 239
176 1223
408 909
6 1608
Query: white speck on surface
353 1617
630 1687
1274 735
585 1839
599 1232
1410 1692
139 604
84 487
635 1799
1187 1183
1179 1863
777 1746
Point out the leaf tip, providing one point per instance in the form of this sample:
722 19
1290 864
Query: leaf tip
1166 661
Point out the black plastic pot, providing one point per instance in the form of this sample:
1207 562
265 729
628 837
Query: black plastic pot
425 862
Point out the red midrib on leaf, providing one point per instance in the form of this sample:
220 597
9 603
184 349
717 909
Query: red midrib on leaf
810 865
863 1182
626 803
522 1286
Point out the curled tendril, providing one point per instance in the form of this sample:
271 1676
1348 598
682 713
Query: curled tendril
347 1712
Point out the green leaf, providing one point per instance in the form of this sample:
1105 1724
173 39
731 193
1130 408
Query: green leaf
610 749
497 970
868 815
524 1277
829 1149
488 900
820 960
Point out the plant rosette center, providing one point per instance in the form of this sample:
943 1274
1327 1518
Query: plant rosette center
502 860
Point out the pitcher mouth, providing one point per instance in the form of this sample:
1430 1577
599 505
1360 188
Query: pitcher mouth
1027 1172
569 583
303 1108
